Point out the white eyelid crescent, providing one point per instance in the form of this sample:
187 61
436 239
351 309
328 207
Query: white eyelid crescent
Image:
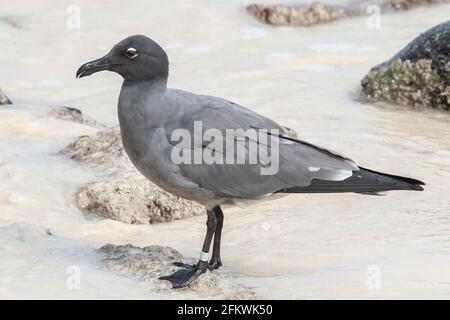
132 51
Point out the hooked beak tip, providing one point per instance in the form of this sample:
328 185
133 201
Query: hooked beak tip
82 71
79 74
92 67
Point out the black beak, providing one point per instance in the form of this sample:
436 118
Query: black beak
95 66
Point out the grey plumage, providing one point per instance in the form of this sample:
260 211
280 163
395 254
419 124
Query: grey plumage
149 120
149 112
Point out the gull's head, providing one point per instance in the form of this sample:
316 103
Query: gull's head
136 58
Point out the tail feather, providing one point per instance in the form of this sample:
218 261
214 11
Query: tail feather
364 181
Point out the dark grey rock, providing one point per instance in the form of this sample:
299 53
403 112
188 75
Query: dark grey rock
433 45
419 75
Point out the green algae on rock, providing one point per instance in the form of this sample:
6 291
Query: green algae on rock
406 83
418 76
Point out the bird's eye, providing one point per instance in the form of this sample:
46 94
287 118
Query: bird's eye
131 53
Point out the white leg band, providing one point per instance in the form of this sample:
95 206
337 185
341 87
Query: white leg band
204 256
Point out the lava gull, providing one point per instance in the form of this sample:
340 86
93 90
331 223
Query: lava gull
217 152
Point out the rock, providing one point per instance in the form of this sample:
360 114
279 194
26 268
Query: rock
316 13
320 13
3 98
72 114
149 263
134 199
126 195
419 75
105 148
408 4
407 83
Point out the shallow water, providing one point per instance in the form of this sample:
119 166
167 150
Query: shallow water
302 247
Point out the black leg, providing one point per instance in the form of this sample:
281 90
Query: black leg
216 261
211 224
186 276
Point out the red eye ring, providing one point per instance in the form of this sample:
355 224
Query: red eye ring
131 53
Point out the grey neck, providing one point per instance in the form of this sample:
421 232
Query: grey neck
153 85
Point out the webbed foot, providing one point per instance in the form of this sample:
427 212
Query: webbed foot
214 263
184 277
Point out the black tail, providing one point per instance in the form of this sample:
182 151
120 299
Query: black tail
363 181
